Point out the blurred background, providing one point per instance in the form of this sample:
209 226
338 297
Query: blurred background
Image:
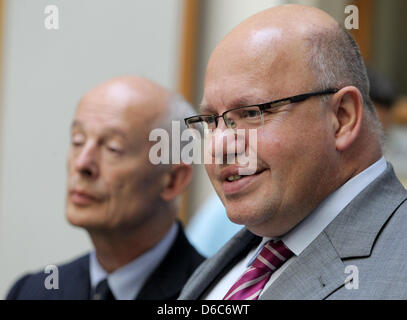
45 72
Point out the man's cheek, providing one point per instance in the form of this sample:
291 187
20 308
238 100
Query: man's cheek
210 170
116 190
269 146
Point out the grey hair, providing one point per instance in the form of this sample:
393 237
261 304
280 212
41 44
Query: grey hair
336 61
178 109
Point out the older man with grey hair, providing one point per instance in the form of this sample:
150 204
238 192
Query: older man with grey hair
125 203
325 215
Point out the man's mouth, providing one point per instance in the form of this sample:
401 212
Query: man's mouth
232 174
234 178
82 198
233 183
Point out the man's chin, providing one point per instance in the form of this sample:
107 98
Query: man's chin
237 216
75 221
257 222
79 219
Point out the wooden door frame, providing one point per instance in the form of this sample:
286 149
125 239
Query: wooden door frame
364 35
187 71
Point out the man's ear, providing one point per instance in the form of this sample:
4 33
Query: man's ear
348 115
179 178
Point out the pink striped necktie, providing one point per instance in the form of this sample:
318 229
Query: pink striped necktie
252 282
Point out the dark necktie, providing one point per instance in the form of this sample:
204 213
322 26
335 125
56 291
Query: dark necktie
102 291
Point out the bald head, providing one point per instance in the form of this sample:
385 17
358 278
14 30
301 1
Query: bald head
274 40
296 40
134 96
287 21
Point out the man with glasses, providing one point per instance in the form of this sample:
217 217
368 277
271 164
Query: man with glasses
325 215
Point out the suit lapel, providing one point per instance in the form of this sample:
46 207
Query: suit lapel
318 271
168 279
314 274
210 272
356 228
75 281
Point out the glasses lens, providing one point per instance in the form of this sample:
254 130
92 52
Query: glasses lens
244 118
203 124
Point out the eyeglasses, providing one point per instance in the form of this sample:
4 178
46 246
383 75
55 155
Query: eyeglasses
247 117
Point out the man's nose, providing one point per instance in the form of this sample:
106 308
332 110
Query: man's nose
225 142
86 162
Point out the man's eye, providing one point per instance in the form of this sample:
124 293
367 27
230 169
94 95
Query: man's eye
115 149
210 120
253 113
77 139
249 114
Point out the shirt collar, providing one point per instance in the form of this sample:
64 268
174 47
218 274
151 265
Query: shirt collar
301 236
127 281
308 230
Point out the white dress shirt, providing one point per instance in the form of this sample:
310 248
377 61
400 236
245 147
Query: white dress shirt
126 282
301 236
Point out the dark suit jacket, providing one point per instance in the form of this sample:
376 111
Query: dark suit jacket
165 283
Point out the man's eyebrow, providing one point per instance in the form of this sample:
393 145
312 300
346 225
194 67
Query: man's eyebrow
76 123
238 102
108 131
116 131
206 109
243 101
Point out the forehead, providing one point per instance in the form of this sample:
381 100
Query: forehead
256 74
221 101
114 108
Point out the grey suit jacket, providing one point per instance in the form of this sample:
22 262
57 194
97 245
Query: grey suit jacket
368 240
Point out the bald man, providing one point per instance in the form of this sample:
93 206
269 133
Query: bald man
324 214
126 204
